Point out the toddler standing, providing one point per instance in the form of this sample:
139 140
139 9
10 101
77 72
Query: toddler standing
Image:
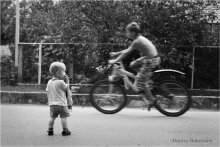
57 97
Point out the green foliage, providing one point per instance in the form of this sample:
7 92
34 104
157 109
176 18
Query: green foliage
8 71
7 21
97 27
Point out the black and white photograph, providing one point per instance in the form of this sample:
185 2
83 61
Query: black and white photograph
110 73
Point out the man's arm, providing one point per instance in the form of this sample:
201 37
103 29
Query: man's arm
117 53
123 54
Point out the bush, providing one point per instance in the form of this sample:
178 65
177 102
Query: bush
8 71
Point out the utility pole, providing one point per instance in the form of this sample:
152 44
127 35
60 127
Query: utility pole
17 35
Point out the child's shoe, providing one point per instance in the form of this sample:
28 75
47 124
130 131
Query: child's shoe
50 132
66 133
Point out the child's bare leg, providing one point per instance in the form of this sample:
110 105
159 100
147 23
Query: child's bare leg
51 122
64 123
65 127
50 126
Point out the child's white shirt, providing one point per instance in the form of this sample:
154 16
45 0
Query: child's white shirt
56 92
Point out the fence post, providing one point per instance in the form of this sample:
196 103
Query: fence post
20 63
39 64
17 33
193 67
219 34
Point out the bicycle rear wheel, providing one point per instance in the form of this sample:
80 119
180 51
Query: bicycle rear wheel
108 97
173 98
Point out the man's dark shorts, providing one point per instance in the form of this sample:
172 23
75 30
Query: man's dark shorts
145 67
56 110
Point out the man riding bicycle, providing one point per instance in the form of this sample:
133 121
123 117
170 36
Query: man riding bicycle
144 65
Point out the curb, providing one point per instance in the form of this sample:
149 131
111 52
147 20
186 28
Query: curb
199 102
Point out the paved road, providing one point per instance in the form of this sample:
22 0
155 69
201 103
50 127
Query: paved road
26 125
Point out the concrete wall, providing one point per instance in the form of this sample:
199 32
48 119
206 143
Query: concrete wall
204 102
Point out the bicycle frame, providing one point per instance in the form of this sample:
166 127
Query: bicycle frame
120 70
173 98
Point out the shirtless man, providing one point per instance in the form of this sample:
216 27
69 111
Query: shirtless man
149 60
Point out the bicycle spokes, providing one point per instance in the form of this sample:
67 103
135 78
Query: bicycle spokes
108 96
173 98
107 100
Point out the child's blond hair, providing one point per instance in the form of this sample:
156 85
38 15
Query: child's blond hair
56 66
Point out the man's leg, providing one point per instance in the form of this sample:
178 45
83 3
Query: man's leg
124 72
149 95
145 93
142 84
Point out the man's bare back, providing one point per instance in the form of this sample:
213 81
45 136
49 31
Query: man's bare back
144 46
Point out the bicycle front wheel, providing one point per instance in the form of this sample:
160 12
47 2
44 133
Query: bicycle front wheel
108 97
173 98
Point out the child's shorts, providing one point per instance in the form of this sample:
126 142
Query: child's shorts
56 110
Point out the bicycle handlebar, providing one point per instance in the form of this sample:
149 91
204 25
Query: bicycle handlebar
113 54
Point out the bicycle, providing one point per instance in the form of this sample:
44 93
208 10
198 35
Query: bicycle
109 96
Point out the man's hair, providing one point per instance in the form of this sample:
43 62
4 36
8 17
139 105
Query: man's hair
133 27
56 66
